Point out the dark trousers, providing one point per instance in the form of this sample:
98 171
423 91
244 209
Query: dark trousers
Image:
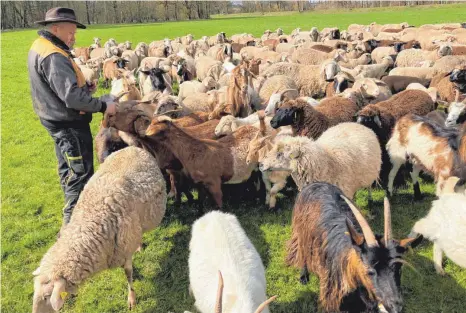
74 151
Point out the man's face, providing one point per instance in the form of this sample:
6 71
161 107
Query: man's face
66 32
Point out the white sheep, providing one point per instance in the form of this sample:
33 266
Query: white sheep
124 199
218 243
190 87
444 226
413 57
419 72
229 123
374 70
311 80
206 66
132 58
347 155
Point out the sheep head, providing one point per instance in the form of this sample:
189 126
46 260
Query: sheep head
342 81
50 294
284 155
130 117
369 116
329 70
458 76
226 126
444 50
290 113
277 97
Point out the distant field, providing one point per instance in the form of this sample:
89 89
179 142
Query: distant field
32 199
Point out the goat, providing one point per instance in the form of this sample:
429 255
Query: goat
357 272
444 225
429 147
207 162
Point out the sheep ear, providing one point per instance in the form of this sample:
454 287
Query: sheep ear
57 299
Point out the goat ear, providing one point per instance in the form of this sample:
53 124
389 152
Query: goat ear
411 242
57 299
357 238
36 272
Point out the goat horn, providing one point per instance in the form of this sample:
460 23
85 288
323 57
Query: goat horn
171 111
265 303
366 230
121 95
218 305
388 221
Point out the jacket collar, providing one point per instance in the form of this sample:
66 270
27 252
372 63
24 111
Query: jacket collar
55 40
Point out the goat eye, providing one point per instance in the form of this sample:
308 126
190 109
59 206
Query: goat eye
371 272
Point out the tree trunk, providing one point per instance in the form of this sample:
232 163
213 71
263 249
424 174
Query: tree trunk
87 13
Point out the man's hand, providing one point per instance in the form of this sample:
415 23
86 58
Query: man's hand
111 108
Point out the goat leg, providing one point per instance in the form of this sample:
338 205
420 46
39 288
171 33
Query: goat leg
304 277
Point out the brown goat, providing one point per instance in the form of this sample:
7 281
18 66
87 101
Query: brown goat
82 52
110 69
331 238
237 102
207 162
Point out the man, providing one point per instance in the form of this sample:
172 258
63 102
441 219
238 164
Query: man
62 100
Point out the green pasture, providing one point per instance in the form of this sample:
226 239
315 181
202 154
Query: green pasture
32 199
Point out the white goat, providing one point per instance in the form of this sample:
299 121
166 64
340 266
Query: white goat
444 226
218 243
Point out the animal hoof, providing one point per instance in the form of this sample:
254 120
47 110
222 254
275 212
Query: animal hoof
440 271
304 280
131 300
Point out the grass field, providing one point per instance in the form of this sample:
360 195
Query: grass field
32 199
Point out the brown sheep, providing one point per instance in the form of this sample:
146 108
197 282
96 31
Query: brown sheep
110 69
447 89
399 83
381 116
306 120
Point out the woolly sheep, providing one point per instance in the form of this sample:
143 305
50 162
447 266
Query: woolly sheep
206 66
352 63
444 226
229 123
311 80
124 199
190 87
374 70
310 56
231 252
449 63
379 53
419 72
278 84
132 59
413 57
347 155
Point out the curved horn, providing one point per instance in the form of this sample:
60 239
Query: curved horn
387 222
285 90
366 230
264 304
218 305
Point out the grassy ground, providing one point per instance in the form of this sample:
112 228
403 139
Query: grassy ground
32 200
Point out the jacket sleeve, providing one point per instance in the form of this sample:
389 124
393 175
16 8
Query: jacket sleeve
61 76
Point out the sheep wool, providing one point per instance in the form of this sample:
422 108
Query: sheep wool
125 198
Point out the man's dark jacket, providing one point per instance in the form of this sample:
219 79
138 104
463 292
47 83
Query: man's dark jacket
59 91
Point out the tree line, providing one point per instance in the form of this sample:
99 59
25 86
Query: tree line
23 14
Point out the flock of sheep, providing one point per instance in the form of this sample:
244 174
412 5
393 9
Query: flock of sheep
329 112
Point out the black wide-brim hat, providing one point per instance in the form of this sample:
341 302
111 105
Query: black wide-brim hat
57 15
